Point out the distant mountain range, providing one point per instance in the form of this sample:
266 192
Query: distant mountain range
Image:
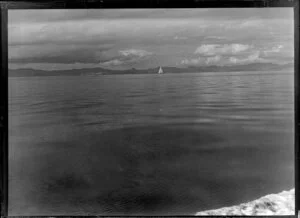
167 70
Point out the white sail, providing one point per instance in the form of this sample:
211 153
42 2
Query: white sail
160 71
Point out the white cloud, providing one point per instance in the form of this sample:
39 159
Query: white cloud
206 49
193 61
127 56
213 60
134 52
218 60
179 37
251 23
274 49
217 54
216 49
255 57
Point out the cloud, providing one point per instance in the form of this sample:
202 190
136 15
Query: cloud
78 31
66 66
76 53
115 62
130 38
128 56
134 53
219 60
52 53
180 37
255 57
217 54
95 14
217 49
274 49
193 61
213 60
73 57
250 23
196 13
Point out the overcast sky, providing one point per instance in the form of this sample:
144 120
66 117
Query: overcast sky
144 38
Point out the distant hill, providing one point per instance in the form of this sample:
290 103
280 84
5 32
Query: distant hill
102 71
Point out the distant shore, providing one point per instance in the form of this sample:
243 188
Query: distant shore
267 67
282 203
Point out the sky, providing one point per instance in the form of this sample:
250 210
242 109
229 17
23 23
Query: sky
147 38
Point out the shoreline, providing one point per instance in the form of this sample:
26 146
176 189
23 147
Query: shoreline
282 203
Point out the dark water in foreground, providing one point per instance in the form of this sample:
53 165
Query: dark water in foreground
148 144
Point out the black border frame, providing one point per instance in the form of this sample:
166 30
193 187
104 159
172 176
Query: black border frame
118 4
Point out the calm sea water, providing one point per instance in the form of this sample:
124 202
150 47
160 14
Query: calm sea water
148 144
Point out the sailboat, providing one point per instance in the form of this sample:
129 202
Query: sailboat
160 71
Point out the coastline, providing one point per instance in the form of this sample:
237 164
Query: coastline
282 203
